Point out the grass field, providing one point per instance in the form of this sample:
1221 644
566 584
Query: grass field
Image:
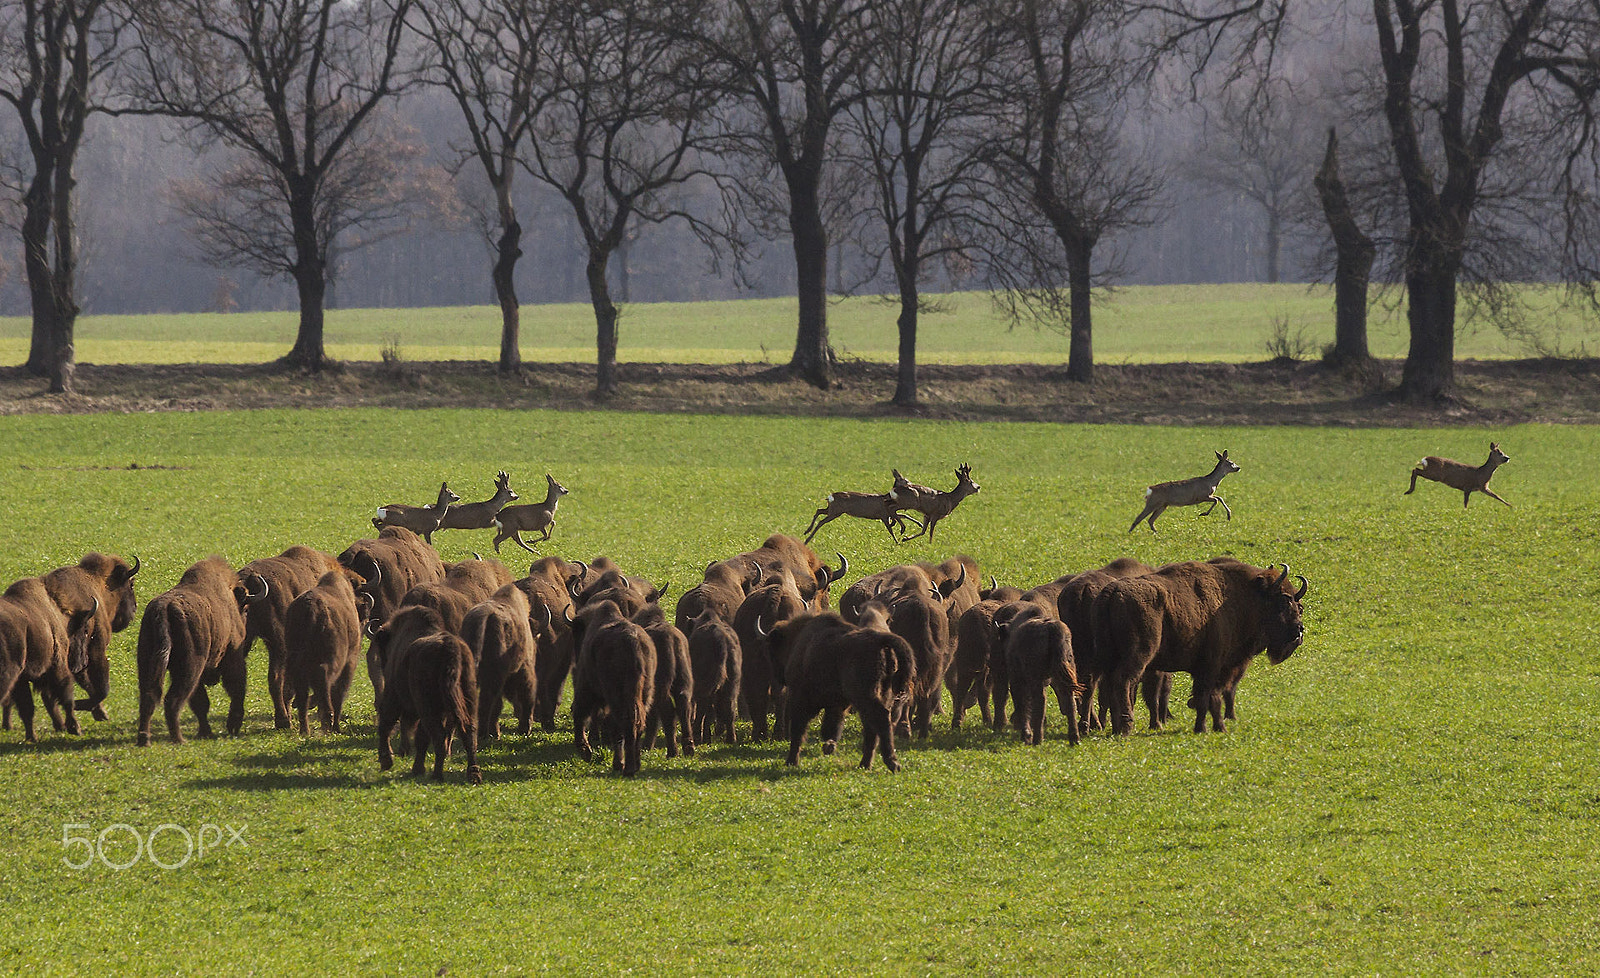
1141 324
1416 791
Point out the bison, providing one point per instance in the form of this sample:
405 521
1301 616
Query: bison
828 666
716 660
41 647
1074 604
322 637
1204 618
1038 651
287 576
430 684
674 694
498 632
549 609
760 687
195 631
977 641
105 583
613 680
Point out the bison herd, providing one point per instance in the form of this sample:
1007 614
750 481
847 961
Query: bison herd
449 645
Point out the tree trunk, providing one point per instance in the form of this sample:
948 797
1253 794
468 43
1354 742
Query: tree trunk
1274 242
36 205
1080 348
905 388
505 290
1429 371
810 361
1353 263
605 321
63 280
311 282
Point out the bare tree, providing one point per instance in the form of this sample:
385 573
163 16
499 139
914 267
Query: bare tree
917 128
794 66
290 86
620 134
53 57
1058 162
1490 109
487 55
1354 251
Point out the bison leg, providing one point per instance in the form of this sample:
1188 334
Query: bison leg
582 706
1227 700
832 728
302 705
800 716
341 691
1150 691
877 733
439 731
233 683
200 706
277 688
419 748
387 717
757 701
684 708
22 697
325 693
1038 716
726 709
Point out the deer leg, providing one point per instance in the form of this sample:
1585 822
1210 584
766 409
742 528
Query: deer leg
1214 500
1226 511
1414 474
548 527
516 537
811 531
812 526
1466 497
1492 494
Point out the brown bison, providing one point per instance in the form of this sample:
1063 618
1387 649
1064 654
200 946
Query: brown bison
500 636
760 685
397 561
286 576
920 619
40 647
613 680
726 584
716 659
977 641
195 632
1038 650
322 636
430 685
1207 619
1074 605
781 554
105 583
674 694
549 609
828 666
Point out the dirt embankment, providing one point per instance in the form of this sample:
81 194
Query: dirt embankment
1278 392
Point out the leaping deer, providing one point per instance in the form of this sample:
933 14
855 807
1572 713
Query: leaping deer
933 504
862 505
1459 475
510 522
422 520
480 516
1187 492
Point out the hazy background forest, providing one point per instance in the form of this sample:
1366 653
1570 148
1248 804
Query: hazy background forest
138 256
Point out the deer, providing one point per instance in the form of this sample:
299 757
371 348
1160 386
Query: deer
1187 492
510 522
1459 475
862 505
480 516
418 519
933 504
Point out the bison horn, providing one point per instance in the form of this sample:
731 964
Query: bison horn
476 555
566 614
759 630
1282 577
1302 592
549 618
251 595
372 627
960 580
135 569
994 583
96 609
844 568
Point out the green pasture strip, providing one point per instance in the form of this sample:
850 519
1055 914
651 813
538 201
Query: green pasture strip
1140 324
1413 792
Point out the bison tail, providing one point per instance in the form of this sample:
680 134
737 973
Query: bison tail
155 647
901 665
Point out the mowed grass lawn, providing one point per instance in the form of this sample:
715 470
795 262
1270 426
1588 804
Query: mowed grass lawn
1416 791
1140 324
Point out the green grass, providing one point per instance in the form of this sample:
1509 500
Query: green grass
1139 324
1416 791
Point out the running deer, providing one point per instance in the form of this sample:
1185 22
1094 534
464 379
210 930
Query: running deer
878 506
480 516
511 522
1459 475
1187 492
933 504
422 520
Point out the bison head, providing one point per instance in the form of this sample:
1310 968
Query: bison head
1285 631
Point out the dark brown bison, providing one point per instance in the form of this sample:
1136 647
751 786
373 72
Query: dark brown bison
322 637
828 666
41 648
977 639
549 608
1038 650
613 680
674 694
397 561
287 576
920 619
104 583
194 632
726 584
716 660
431 685
500 636
781 554
1074 605
1207 619
760 686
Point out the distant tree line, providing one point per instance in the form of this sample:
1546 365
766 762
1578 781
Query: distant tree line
902 145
